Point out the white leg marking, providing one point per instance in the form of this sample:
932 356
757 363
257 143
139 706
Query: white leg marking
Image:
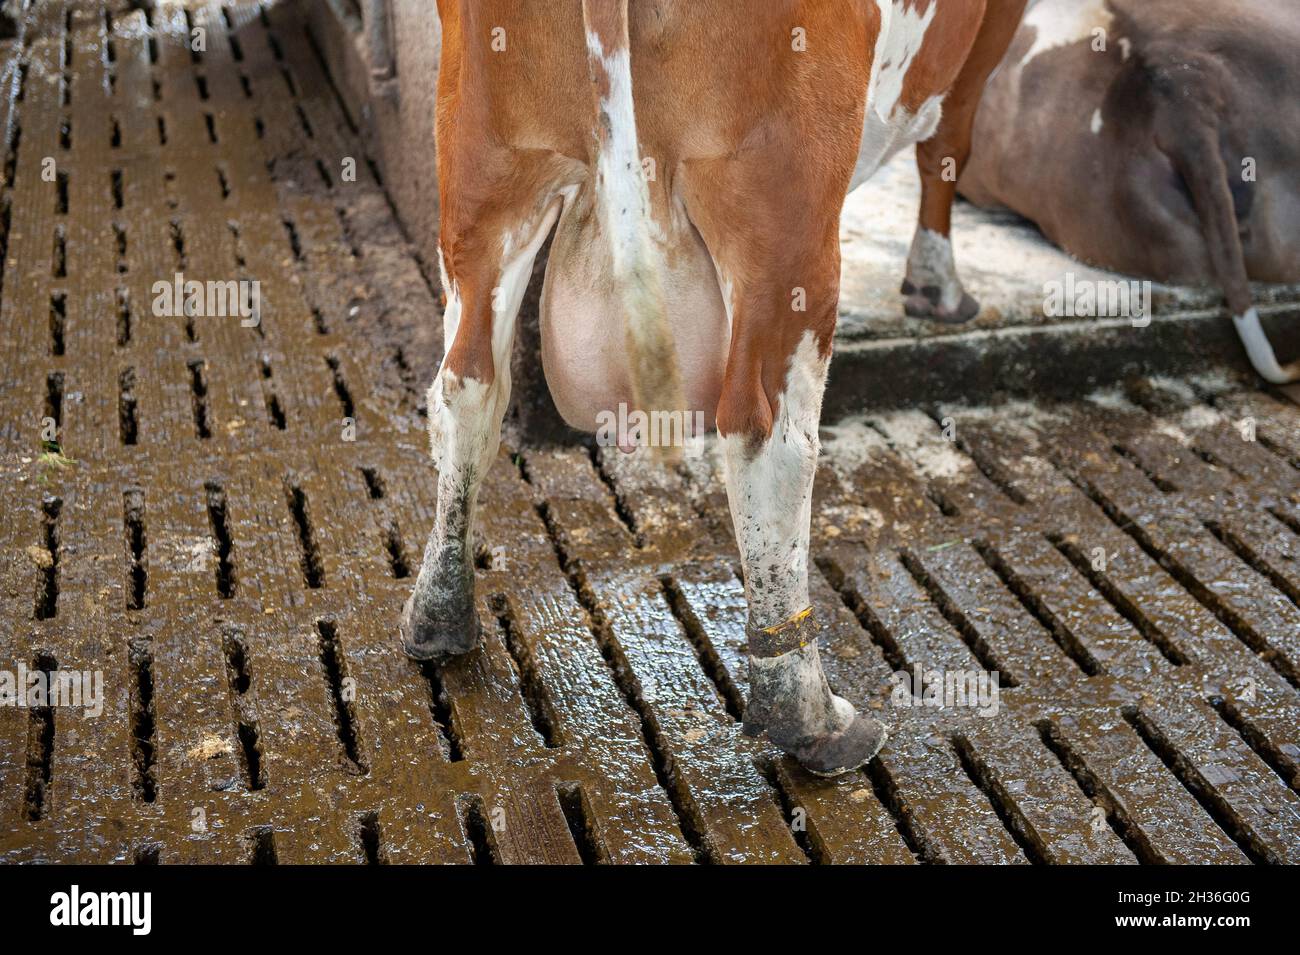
770 493
465 414
464 433
451 314
930 264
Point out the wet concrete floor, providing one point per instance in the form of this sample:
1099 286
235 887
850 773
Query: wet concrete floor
223 520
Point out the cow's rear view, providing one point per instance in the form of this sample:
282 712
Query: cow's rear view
692 159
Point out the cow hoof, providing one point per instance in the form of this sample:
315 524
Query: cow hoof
846 751
427 638
925 304
830 755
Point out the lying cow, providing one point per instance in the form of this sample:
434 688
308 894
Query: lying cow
1160 138
696 157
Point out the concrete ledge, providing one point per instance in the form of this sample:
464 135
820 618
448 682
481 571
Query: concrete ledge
1046 361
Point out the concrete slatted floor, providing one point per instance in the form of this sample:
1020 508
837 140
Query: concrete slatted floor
228 520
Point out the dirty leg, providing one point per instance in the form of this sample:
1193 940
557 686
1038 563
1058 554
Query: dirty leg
769 487
466 404
780 276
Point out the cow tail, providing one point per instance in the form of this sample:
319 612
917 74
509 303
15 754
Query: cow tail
623 210
1202 166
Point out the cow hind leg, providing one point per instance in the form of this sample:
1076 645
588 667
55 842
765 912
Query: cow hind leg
467 402
769 487
932 288
781 288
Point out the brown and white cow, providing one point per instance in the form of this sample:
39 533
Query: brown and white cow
1160 138
692 157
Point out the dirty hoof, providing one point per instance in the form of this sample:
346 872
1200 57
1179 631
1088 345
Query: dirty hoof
427 638
845 751
924 303
834 753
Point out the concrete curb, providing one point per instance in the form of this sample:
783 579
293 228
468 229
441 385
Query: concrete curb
1043 361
